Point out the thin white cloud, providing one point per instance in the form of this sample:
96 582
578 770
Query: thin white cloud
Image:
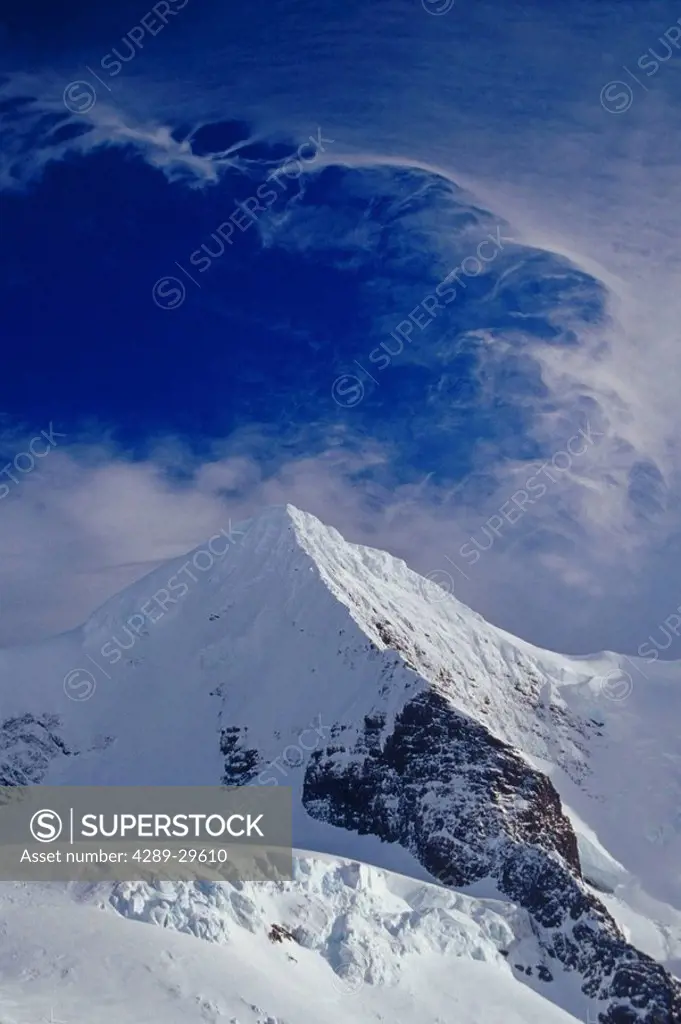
87 521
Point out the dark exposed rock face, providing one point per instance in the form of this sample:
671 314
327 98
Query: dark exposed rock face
278 933
27 745
240 761
469 807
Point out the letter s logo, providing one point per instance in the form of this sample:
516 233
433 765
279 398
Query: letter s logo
45 826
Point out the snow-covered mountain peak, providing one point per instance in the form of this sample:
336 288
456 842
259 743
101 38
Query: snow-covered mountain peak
413 734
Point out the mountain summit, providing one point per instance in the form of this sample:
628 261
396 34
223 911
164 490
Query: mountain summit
414 735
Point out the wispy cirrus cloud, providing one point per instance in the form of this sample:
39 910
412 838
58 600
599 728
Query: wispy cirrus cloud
535 147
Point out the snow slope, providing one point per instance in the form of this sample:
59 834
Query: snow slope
370 946
415 736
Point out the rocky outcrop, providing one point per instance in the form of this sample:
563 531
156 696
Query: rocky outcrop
28 743
470 807
240 761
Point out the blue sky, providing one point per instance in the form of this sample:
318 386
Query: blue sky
383 261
